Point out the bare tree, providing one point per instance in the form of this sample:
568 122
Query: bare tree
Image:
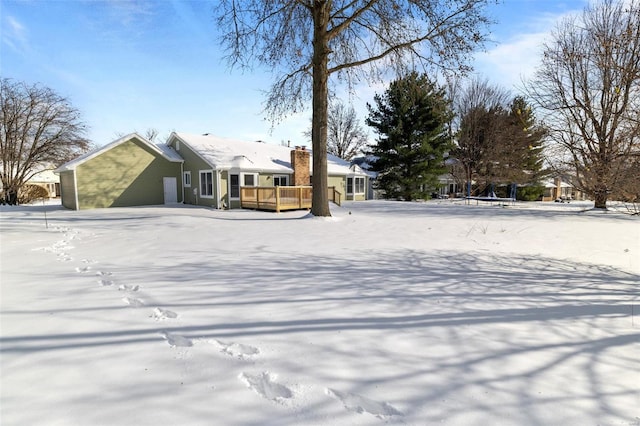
478 107
589 84
37 128
498 140
313 39
346 137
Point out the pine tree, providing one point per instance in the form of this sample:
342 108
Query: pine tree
411 120
527 138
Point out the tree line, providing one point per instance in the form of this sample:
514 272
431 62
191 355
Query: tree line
578 117
580 113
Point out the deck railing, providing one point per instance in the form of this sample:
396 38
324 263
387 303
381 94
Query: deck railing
280 198
276 198
334 195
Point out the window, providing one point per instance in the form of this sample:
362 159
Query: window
282 180
249 179
242 179
186 181
355 185
206 184
234 186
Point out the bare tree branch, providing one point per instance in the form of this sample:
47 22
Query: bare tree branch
589 85
38 128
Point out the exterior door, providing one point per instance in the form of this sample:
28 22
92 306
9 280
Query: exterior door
170 190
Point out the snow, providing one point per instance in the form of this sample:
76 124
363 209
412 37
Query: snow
224 153
388 312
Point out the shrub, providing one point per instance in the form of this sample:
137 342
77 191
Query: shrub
530 193
30 193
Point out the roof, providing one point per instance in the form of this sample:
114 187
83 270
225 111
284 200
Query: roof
224 154
45 176
165 151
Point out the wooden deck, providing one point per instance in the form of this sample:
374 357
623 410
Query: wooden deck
279 198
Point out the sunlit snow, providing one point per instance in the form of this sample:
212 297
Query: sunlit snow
389 312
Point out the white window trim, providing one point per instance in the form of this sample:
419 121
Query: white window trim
200 172
364 185
256 178
241 176
354 186
286 179
184 179
229 184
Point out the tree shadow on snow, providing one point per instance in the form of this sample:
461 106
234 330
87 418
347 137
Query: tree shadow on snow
487 322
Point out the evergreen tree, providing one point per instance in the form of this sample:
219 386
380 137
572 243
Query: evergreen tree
524 146
411 119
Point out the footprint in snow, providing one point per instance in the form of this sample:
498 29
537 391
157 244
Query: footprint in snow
102 274
127 287
161 314
361 404
83 269
105 283
132 301
176 340
237 350
264 384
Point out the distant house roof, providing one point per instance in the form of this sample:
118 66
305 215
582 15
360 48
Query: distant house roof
45 176
224 154
552 183
163 150
363 164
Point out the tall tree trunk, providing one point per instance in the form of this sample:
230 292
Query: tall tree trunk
602 188
600 199
320 199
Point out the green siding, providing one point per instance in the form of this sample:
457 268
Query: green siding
224 188
339 183
68 190
194 163
265 180
130 174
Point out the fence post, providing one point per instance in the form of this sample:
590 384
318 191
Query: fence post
277 199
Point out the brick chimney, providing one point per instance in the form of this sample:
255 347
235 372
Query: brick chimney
300 165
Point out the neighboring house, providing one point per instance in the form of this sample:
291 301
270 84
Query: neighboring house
47 179
216 168
448 186
130 171
559 189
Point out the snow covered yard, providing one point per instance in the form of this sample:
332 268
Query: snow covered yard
404 313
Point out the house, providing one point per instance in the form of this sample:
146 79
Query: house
44 177
130 171
195 169
47 179
561 189
363 164
215 169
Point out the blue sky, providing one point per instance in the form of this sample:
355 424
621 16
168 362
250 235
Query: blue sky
131 65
